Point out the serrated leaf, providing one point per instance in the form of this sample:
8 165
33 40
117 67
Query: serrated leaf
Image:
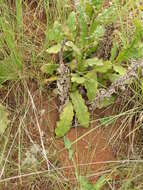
76 78
54 49
91 85
80 108
119 69
65 122
3 119
106 102
49 68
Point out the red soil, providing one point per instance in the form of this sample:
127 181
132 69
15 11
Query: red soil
89 152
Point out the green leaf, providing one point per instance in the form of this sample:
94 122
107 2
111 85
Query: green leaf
107 65
80 108
119 69
140 51
132 50
100 183
83 23
54 49
8 36
141 85
76 78
114 52
51 79
106 102
91 85
49 68
68 146
74 47
93 62
107 16
138 33
8 71
56 33
3 119
72 21
85 185
67 143
97 3
113 77
89 8
107 120
70 154
126 54
73 64
99 32
65 122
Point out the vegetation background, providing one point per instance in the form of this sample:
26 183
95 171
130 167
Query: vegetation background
71 88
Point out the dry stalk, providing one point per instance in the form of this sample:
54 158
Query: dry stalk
64 80
118 84
41 137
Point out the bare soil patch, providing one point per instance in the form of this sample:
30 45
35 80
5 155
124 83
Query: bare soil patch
89 152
